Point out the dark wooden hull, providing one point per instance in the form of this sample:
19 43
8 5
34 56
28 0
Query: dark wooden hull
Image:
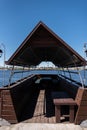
28 100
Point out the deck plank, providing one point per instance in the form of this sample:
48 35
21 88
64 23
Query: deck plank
38 116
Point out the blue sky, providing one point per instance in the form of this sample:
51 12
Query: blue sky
67 18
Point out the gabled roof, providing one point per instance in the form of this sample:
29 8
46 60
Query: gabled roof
42 44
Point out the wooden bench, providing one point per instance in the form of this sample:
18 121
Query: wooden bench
60 99
81 103
64 101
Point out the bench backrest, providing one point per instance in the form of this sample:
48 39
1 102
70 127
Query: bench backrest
79 95
81 99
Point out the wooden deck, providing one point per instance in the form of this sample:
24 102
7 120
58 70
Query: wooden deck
41 114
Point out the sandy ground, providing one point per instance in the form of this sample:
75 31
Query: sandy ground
42 126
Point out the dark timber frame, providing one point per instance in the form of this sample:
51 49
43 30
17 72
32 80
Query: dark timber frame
42 44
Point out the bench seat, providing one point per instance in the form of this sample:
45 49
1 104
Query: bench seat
64 101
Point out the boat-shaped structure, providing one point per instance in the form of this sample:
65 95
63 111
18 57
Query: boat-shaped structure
43 97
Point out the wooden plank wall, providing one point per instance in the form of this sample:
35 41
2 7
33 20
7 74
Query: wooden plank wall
82 107
0 103
9 95
7 108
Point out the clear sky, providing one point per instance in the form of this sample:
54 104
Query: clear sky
67 18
